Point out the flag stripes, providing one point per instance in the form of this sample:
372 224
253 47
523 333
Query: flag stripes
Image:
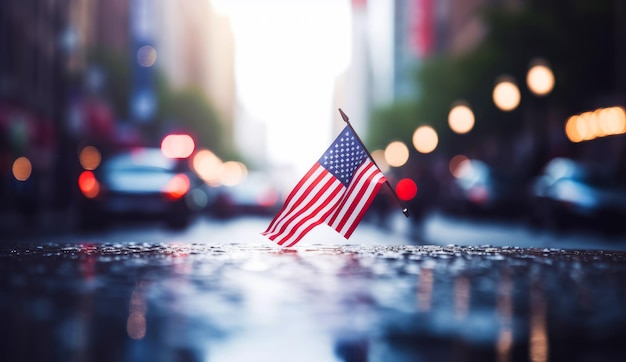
306 207
359 195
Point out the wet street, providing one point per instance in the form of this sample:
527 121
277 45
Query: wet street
224 293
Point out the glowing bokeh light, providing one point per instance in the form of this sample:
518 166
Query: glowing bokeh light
177 187
233 173
22 168
88 184
506 95
611 122
583 125
540 79
425 139
146 56
406 189
464 169
599 123
461 118
396 154
455 165
208 166
571 131
177 146
90 158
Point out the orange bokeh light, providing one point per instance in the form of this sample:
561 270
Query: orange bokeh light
396 154
22 168
425 139
461 118
506 94
90 158
599 123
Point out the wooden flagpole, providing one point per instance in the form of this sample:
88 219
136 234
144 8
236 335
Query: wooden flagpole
405 211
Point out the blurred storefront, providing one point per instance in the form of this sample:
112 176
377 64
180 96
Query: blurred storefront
33 83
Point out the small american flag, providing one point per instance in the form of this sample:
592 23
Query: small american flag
337 191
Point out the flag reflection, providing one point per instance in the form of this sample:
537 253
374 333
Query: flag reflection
425 290
136 323
461 297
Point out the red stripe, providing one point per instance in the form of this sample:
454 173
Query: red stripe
357 198
317 222
293 215
372 195
350 192
295 212
306 179
298 229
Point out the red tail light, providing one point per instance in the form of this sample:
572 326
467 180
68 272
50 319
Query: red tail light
268 198
177 187
88 185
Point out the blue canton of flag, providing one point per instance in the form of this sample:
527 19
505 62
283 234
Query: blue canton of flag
343 156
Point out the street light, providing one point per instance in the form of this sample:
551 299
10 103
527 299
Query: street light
396 154
540 79
506 94
461 118
425 139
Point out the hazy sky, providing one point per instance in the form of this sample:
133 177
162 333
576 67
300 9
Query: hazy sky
288 54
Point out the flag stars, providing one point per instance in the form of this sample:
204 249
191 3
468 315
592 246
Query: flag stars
343 157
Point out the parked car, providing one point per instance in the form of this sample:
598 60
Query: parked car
257 194
139 183
570 192
482 190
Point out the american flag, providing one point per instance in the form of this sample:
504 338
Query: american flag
337 191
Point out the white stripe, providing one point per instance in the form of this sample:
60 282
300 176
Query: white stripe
330 205
347 207
297 207
302 205
293 205
360 205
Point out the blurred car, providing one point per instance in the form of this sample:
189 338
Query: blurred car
479 189
570 192
139 183
257 194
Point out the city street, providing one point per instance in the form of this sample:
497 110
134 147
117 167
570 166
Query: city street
218 291
145 147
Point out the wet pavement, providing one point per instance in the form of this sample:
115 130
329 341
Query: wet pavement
238 302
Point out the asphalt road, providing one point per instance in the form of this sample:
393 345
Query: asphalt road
150 294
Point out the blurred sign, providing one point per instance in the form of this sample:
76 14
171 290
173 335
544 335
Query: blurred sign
422 25
143 103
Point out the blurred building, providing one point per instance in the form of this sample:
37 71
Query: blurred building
369 79
34 47
390 39
195 49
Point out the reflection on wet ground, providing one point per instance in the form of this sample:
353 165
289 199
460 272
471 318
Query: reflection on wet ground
192 302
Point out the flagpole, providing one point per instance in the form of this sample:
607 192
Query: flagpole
405 211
